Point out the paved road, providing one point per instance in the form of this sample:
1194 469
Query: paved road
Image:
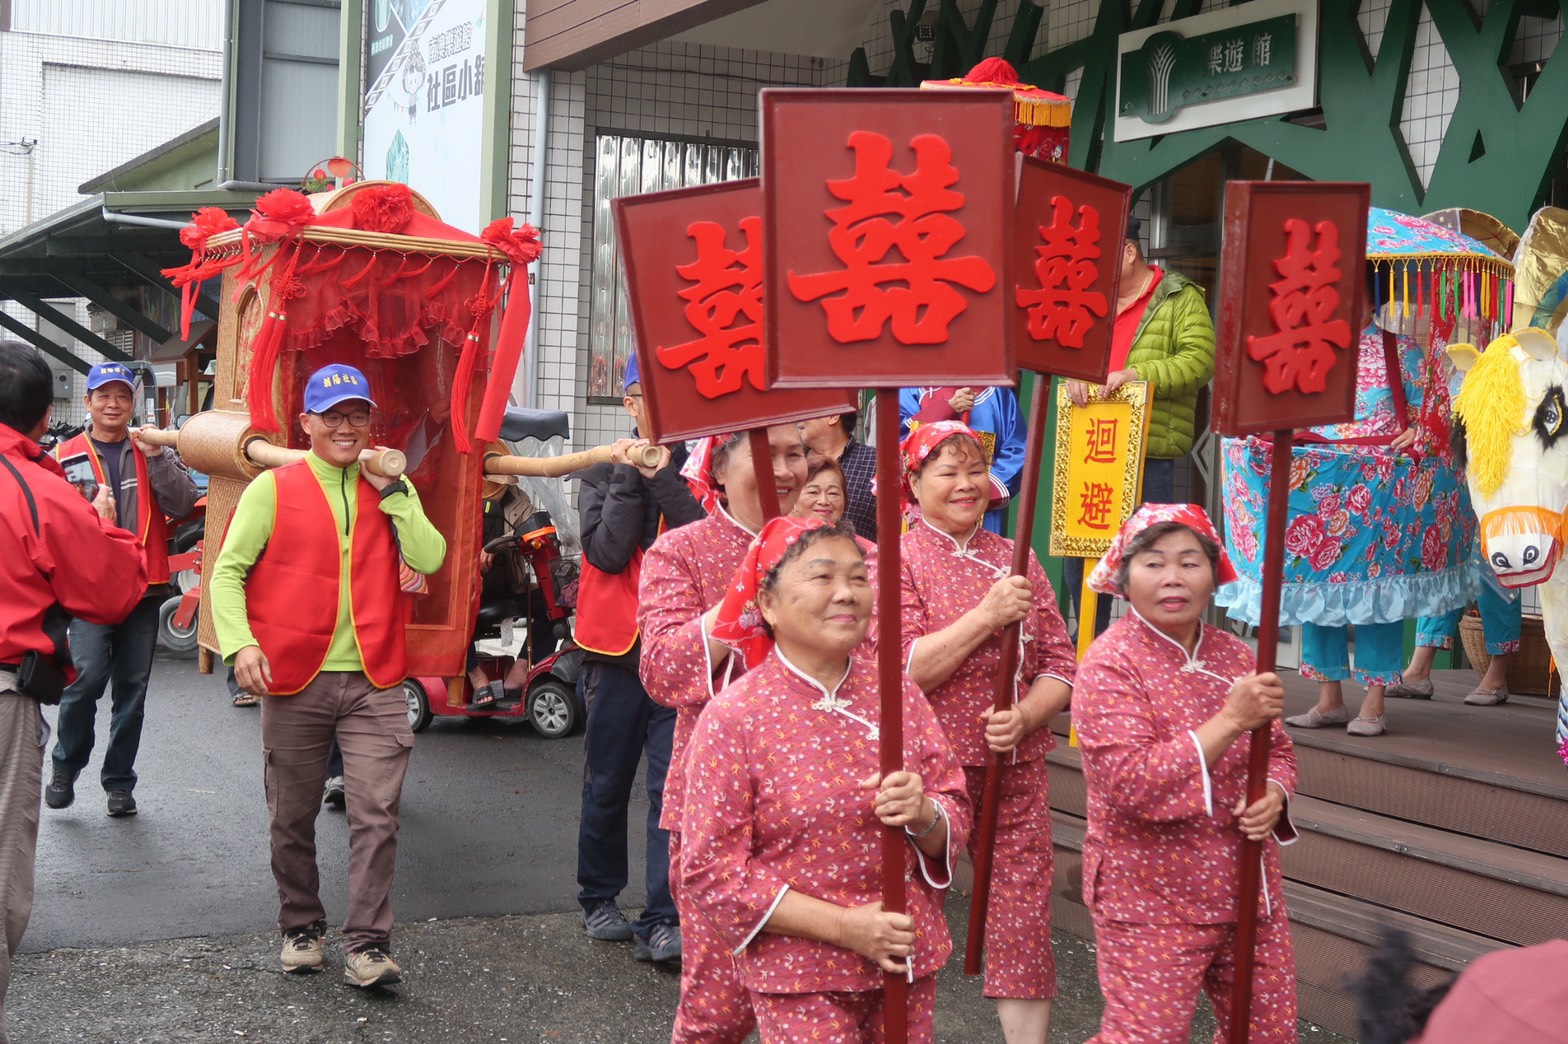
489 827
162 927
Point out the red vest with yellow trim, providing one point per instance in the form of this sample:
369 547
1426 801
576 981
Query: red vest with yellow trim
606 621
291 595
150 527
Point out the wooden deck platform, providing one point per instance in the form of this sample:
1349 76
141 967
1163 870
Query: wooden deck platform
1453 825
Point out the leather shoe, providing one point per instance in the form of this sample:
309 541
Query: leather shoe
1412 690
1366 726
1487 697
1316 719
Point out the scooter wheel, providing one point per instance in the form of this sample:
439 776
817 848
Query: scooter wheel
178 640
418 705
552 707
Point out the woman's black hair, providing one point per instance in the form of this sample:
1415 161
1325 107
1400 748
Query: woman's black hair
1151 536
841 530
1389 1007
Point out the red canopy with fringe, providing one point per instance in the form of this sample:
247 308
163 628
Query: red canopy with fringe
377 270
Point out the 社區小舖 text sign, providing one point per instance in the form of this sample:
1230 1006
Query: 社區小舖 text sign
1238 63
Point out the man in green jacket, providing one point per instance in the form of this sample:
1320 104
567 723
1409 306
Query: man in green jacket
1163 334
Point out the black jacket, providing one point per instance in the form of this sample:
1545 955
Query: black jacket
620 512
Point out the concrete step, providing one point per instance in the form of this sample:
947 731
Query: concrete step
1334 935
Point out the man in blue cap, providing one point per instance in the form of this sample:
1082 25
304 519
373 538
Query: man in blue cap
149 485
313 615
624 506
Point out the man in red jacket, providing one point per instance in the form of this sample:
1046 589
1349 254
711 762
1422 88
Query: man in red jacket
147 483
59 557
312 615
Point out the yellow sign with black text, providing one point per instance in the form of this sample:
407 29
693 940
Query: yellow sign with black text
1099 467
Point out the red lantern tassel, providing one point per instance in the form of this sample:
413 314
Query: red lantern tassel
263 363
508 353
462 380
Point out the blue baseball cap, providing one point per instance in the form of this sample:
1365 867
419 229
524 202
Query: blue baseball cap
108 373
633 375
333 384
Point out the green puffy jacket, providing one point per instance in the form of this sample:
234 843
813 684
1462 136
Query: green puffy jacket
1174 348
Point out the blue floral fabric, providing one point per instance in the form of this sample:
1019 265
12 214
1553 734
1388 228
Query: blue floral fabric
1371 536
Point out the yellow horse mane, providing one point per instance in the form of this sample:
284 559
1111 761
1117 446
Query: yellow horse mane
1491 404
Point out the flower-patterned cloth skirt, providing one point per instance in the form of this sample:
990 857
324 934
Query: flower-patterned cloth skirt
1371 536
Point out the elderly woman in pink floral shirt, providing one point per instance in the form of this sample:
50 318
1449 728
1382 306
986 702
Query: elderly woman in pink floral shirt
957 598
785 805
1161 700
684 576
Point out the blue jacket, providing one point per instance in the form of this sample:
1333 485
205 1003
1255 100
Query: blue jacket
995 414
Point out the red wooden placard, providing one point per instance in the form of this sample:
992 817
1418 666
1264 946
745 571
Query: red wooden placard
693 263
1292 282
1067 266
887 224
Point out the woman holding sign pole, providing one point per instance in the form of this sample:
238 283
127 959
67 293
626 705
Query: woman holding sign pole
786 803
684 577
1162 700
958 597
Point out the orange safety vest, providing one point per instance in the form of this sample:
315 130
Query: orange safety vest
291 595
606 621
151 529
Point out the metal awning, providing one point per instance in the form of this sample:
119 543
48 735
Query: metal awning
99 248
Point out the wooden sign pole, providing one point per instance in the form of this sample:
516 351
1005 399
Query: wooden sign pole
1292 260
1258 752
890 679
1006 683
762 464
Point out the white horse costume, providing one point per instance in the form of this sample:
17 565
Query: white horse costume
1512 415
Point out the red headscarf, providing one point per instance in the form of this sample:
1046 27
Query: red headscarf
920 444
1103 579
739 623
698 472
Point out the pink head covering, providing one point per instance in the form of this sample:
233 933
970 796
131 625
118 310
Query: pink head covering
1103 579
1506 997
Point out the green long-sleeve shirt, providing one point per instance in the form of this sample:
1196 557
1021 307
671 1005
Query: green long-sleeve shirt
423 547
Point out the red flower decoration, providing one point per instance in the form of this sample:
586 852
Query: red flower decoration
1304 535
520 245
384 208
279 213
206 223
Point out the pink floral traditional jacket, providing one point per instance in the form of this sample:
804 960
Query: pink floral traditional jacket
684 574
1162 844
942 580
774 801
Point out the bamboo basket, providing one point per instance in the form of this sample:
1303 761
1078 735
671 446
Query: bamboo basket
1530 672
